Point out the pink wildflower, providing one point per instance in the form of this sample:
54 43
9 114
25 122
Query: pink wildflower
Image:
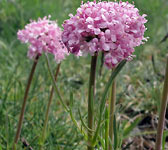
43 36
115 28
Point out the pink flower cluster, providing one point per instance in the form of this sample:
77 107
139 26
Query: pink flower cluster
114 28
43 35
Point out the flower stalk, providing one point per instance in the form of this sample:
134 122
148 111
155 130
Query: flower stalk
106 127
24 102
48 109
112 110
161 122
91 94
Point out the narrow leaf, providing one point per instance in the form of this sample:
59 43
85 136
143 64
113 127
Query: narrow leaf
103 100
83 123
128 130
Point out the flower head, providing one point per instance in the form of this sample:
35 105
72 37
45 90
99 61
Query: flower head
114 28
43 35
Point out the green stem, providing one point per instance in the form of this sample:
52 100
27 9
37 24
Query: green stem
48 109
24 102
161 122
112 109
91 94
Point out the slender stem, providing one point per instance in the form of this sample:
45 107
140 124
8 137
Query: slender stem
106 127
91 94
112 109
24 102
48 109
161 122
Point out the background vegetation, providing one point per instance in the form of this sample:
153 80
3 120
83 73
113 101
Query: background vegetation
139 84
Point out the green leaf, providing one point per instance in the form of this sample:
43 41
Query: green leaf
54 84
110 81
128 130
103 100
83 123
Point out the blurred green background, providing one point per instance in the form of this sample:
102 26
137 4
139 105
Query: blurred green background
139 86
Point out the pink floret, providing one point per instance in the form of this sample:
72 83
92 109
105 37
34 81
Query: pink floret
114 28
43 35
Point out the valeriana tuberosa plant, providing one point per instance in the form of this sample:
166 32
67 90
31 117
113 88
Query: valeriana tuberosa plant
42 36
114 28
